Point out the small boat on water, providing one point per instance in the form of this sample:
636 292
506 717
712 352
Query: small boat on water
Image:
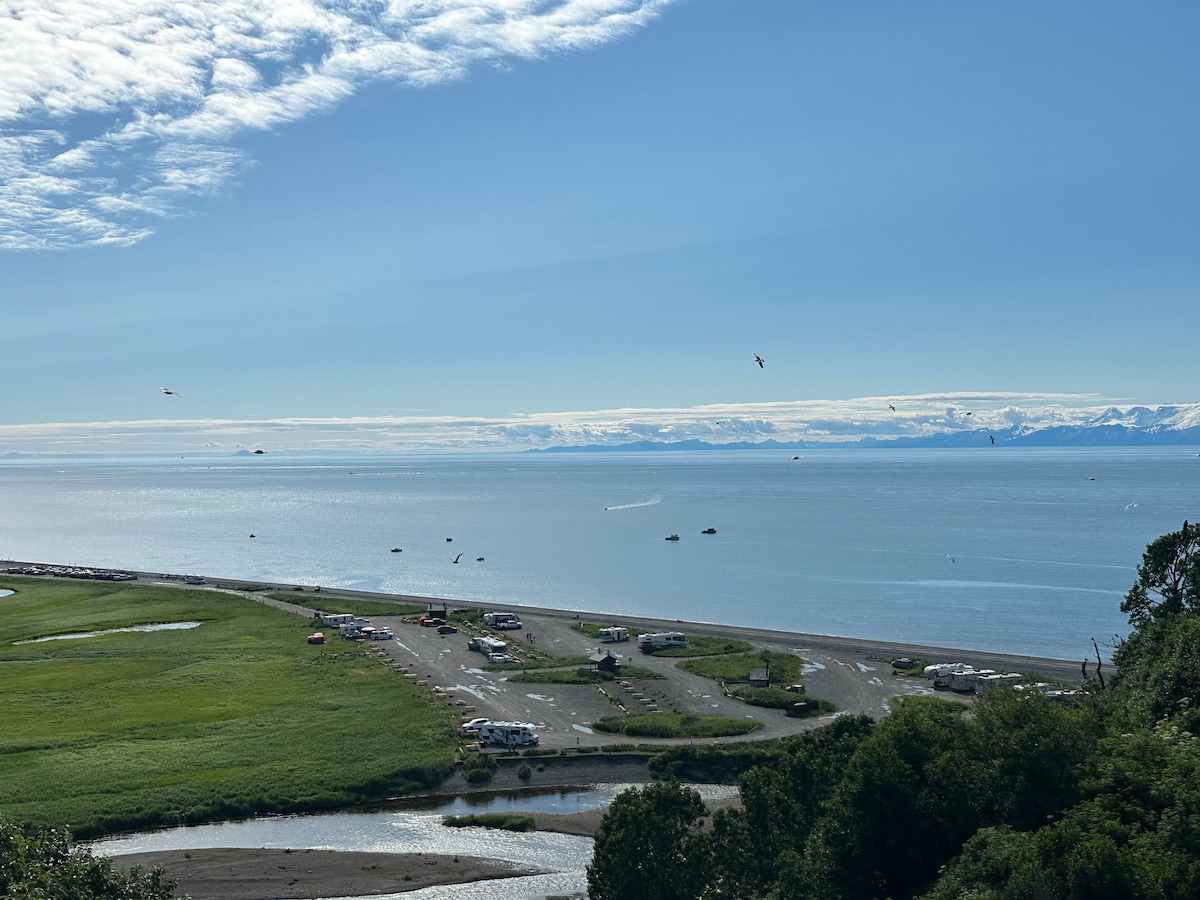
709 531
672 537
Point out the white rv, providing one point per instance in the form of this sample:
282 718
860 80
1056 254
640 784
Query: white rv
502 621
488 646
613 634
508 734
333 620
663 640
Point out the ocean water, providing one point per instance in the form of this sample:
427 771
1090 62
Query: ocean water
1019 551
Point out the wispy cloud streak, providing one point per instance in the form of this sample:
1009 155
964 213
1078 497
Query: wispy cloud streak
829 421
114 113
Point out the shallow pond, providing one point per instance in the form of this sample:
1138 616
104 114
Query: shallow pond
78 635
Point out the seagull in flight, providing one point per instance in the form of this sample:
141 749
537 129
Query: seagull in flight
758 359
892 408
171 393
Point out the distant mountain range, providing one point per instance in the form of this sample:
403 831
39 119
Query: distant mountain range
1138 426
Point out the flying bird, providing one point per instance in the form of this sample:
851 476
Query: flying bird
892 408
457 558
758 359
992 438
171 393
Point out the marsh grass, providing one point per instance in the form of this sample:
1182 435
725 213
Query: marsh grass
236 717
735 669
503 821
675 725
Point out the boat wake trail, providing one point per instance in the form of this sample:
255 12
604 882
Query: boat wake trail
651 502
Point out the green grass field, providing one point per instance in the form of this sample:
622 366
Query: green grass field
785 667
237 716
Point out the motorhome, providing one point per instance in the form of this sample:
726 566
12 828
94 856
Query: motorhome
335 620
663 640
489 646
509 734
613 634
503 621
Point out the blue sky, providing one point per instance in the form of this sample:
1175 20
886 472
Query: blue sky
304 216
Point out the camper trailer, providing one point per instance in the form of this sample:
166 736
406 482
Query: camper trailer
613 633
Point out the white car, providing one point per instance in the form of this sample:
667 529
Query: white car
475 724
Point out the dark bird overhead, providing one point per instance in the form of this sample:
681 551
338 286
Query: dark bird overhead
171 393
992 438
758 359
892 408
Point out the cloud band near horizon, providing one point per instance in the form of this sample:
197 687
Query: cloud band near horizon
829 421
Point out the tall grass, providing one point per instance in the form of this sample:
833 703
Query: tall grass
237 716
785 667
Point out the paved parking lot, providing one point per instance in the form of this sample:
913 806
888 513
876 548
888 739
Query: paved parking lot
856 676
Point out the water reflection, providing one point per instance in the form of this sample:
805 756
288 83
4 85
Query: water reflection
415 826
76 635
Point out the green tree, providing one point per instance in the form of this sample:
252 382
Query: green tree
648 846
905 806
1159 663
46 866
780 804
1026 753
1168 580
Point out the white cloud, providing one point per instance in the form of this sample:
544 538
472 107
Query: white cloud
115 112
818 420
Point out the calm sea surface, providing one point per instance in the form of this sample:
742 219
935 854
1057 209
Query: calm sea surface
1022 551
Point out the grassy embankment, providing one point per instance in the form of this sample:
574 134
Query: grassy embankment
236 717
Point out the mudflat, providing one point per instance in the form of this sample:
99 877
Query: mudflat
237 874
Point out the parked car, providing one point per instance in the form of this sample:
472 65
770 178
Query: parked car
447 629
795 689
475 724
431 622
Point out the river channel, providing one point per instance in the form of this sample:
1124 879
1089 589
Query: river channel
415 826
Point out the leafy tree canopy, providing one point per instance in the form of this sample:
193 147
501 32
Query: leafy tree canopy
47 866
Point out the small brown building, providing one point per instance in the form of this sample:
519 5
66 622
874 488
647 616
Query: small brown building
604 660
